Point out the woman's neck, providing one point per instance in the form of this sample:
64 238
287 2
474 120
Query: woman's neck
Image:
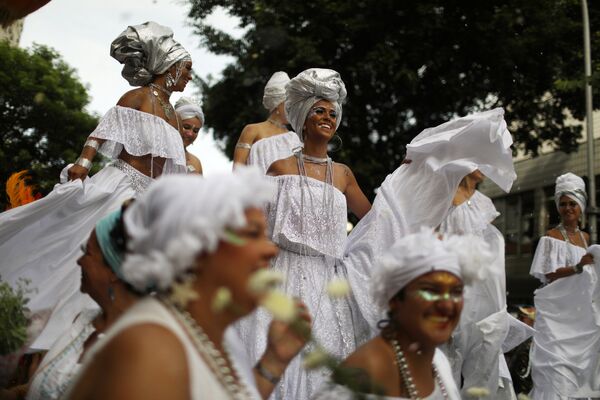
113 309
315 149
212 323
571 226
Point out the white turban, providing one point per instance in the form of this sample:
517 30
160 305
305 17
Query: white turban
182 216
308 87
572 186
188 108
274 93
468 257
146 50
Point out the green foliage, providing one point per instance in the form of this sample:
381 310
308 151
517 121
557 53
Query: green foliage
408 65
42 119
13 324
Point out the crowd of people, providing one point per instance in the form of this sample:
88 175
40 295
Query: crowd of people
158 283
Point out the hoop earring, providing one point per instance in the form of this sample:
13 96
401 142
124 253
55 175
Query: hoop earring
169 81
334 149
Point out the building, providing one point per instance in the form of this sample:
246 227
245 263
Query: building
528 211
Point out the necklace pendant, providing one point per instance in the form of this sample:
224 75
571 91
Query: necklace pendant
154 92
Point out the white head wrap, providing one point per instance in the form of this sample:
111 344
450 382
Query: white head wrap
572 186
182 216
274 93
187 108
467 257
146 50
308 87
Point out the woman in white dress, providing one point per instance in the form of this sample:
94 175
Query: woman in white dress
565 355
172 345
307 220
419 281
40 241
477 346
100 278
191 119
263 143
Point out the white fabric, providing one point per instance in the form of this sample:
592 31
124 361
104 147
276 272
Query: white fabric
308 87
140 133
565 355
265 152
274 93
203 383
61 362
41 241
420 193
188 108
182 216
420 253
337 392
572 186
307 258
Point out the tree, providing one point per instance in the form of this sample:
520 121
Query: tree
42 119
407 65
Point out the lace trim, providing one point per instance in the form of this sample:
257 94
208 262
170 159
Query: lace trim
139 133
139 182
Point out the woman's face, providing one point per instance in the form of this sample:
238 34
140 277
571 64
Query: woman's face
96 276
430 308
235 261
321 120
189 130
186 75
569 210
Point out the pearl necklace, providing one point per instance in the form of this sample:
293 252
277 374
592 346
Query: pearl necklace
406 376
277 124
209 352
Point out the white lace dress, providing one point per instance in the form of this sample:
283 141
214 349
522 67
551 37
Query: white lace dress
477 346
40 241
307 220
565 356
266 151
331 391
203 382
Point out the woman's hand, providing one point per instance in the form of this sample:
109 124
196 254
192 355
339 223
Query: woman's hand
586 259
285 340
77 172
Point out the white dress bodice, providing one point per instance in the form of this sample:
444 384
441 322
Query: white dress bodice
266 151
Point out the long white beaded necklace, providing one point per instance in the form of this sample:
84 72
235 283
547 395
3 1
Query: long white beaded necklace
209 352
406 376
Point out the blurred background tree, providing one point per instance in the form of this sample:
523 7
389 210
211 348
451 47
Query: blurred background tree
408 65
43 124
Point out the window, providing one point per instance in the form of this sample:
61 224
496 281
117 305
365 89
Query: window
516 222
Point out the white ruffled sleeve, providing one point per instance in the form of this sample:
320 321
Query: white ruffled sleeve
140 134
552 254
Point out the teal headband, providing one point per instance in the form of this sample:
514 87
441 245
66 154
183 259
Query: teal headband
109 249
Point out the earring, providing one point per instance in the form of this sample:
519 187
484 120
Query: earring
169 81
415 347
331 148
111 294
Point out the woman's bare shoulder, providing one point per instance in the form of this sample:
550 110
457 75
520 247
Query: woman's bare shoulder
285 166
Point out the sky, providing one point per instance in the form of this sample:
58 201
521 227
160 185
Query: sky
82 30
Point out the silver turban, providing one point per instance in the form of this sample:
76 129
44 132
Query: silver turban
308 87
274 93
572 186
187 108
146 50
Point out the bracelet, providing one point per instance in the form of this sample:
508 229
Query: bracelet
266 374
578 268
84 162
93 143
241 145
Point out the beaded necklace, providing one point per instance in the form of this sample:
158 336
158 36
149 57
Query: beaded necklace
210 353
167 107
406 376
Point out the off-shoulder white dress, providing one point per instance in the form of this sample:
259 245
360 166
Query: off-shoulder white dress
265 152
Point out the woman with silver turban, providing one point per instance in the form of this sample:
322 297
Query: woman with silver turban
194 247
262 143
40 241
565 355
192 119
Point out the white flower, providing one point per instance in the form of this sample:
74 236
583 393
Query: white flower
478 392
523 396
315 359
264 280
282 307
221 300
338 288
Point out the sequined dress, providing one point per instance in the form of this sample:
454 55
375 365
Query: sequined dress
307 220
40 241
